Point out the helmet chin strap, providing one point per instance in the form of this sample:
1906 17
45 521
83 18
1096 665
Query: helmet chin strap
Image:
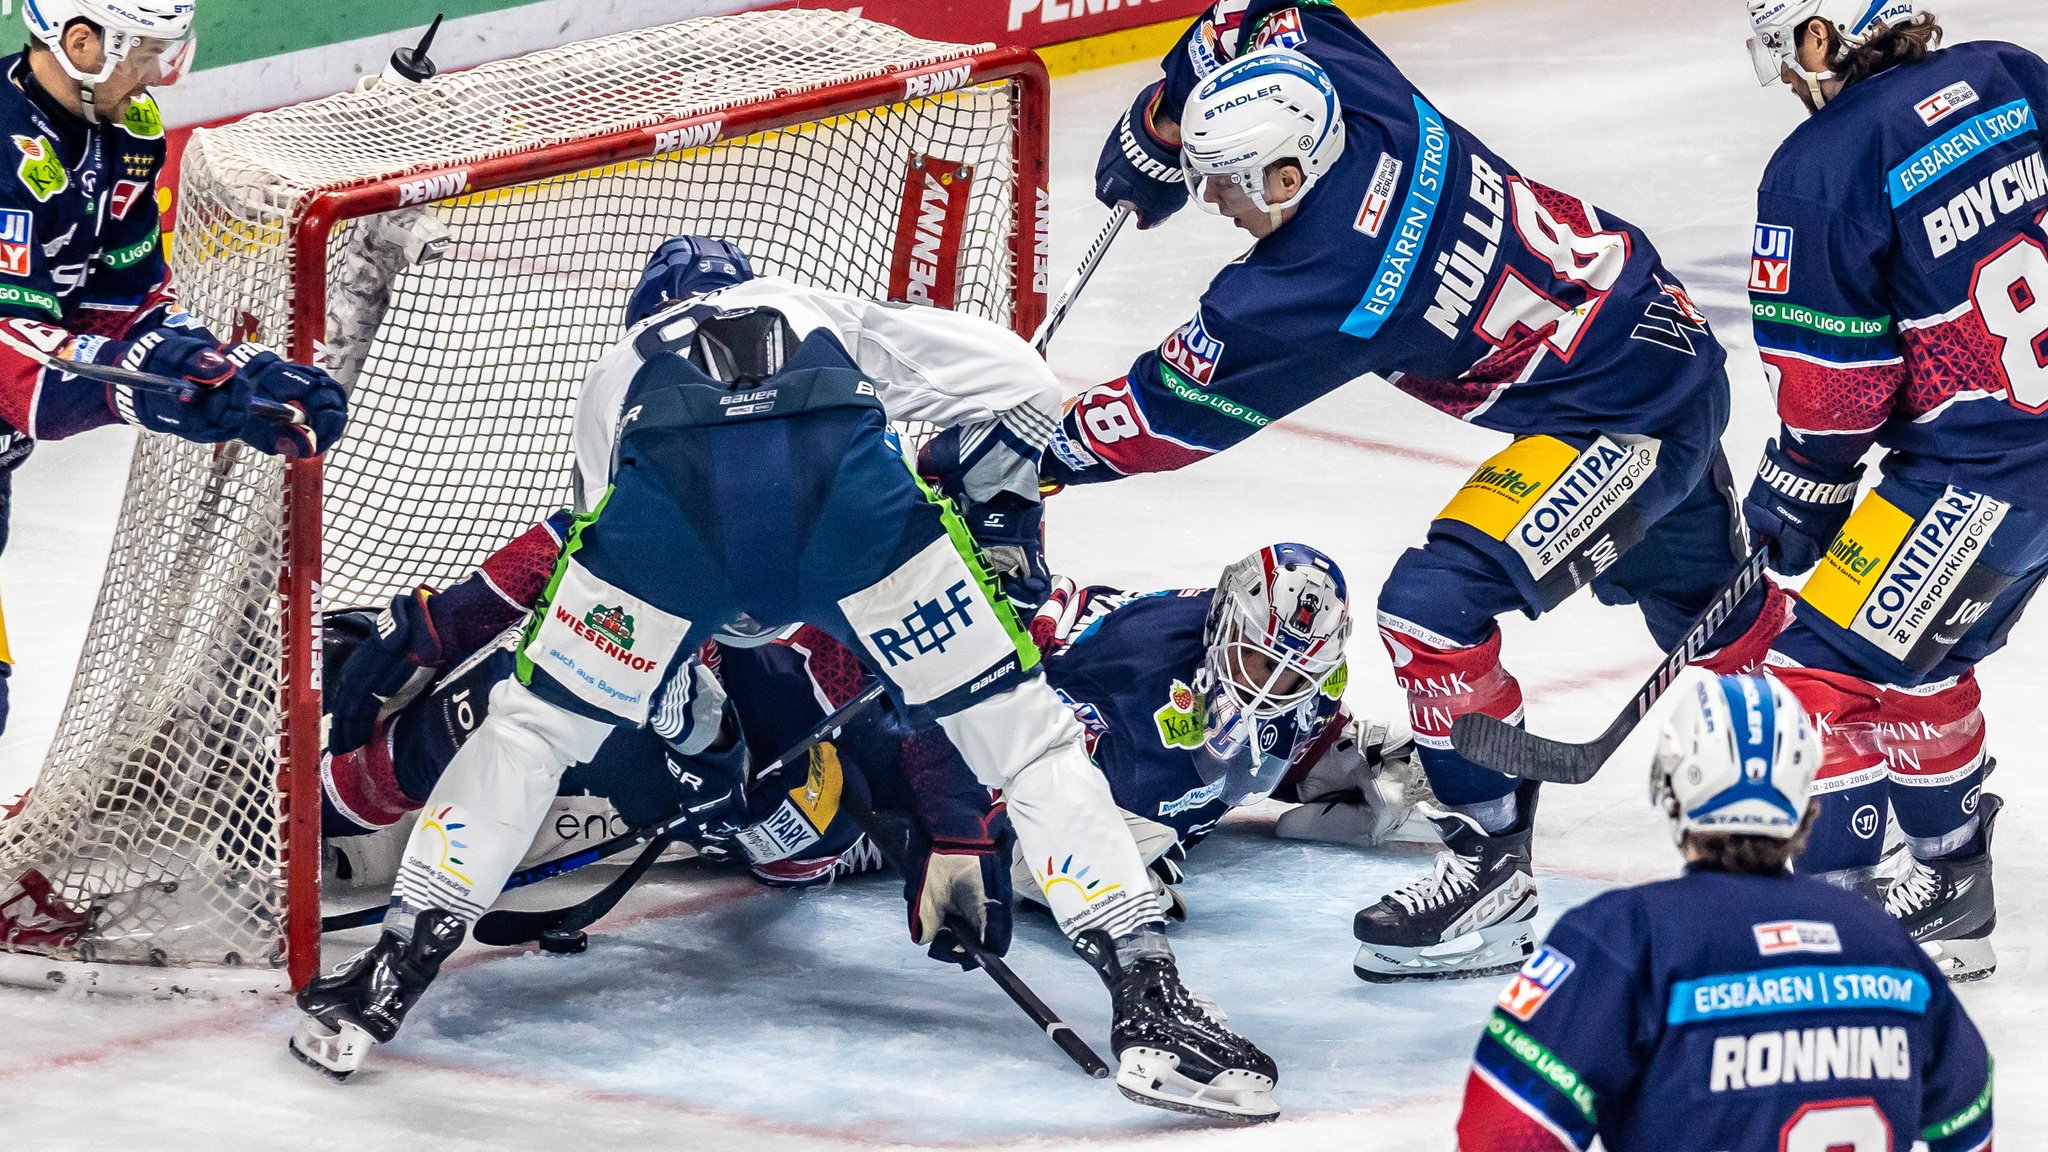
86 107
1813 81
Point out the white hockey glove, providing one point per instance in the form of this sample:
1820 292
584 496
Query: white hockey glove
1361 791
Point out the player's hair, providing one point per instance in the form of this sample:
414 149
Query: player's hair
1741 855
1889 46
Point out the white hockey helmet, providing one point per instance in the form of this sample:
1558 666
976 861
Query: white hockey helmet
1738 755
1774 46
1277 627
147 30
1262 108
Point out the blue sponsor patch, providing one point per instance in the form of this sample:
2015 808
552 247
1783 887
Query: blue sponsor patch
17 237
1943 156
1402 260
1774 990
1539 977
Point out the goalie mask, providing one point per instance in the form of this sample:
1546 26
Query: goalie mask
1738 755
1775 24
1276 628
153 35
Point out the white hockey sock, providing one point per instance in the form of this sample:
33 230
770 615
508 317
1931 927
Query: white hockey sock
1069 829
484 810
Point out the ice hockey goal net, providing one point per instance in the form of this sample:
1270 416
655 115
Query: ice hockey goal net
171 840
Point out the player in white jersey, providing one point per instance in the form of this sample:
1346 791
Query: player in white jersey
736 473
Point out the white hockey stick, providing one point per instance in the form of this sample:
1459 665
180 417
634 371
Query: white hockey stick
1064 303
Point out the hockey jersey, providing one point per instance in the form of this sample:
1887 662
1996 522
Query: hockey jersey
1717 1012
1421 256
1899 274
1130 673
81 249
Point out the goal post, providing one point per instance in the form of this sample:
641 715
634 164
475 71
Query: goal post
458 252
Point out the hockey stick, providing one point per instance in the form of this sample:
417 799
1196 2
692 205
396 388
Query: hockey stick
1064 302
507 927
270 410
890 842
1495 744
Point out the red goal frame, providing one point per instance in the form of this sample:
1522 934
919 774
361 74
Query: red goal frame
299 738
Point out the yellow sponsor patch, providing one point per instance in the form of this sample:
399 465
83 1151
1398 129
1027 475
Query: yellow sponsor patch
818 795
1509 483
1856 559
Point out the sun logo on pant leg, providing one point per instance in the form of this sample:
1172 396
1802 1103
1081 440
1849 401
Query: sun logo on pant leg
1089 890
439 825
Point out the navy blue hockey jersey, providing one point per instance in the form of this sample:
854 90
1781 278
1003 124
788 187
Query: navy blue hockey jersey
1421 256
1130 673
1718 1012
1899 274
81 249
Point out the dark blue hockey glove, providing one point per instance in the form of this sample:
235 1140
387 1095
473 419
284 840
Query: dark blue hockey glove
683 267
14 448
1140 169
1008 527
387 669
966 881
213 412
316 395
1798 506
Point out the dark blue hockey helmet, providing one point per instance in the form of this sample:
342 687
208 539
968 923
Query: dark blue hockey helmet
686 266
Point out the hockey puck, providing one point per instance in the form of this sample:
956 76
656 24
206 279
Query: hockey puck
562 943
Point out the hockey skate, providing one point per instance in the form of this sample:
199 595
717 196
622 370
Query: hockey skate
363 1002
1473 915
1947 906
1172 1051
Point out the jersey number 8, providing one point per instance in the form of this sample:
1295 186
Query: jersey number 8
1853 1125
2010 291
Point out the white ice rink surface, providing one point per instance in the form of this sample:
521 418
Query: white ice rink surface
713 1014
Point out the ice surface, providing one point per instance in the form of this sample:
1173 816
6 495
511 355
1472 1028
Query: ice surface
710 1013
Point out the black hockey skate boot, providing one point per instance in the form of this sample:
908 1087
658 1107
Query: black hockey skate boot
1172 1052
363 1002
1473 915
1947 907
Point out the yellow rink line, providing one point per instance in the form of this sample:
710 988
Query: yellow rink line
1152 41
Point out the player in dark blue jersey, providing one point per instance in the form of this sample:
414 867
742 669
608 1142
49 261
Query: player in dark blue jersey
1738 1006
1391 241
82 272
1899 281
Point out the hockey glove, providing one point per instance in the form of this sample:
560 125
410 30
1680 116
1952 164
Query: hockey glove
966 880
1361 790
1798 506
212 411
14 448
1007 526
318 396
689 713
1140 169
387 670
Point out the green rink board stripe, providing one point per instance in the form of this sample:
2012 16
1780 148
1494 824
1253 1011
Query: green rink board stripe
237 31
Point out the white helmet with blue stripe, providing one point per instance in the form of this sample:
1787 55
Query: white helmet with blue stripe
1738 755
1264 107
1776 23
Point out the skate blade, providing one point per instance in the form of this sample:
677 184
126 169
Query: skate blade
1153 1078
335 1053
1493 951
1962 961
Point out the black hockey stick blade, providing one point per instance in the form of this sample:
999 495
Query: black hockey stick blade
508 927
891 836
1495 744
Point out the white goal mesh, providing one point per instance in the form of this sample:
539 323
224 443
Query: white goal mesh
157 832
